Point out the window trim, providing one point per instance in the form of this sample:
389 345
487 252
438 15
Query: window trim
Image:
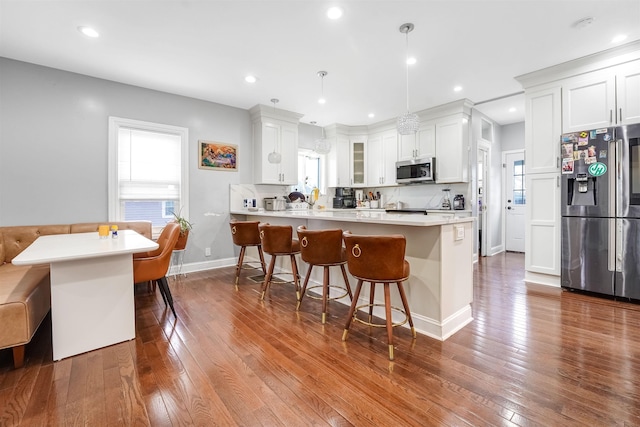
115 124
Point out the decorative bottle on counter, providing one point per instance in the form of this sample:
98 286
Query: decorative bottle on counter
446 199
114 231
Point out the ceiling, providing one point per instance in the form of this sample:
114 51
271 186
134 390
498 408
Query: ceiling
204 49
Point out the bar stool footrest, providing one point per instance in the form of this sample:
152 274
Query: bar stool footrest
248 266
379 325
282 282
319 296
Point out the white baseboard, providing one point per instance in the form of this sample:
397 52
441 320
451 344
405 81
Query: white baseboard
541 279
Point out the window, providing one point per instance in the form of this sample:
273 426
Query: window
309 167
148 169
519 193
487 130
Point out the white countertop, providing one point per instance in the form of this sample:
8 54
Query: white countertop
362 215
73 246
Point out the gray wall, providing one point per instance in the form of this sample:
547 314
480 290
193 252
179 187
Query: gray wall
513 136
53 150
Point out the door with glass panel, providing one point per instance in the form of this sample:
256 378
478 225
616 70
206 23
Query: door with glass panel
515 201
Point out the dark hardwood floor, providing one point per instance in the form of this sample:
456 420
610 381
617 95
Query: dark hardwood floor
532 356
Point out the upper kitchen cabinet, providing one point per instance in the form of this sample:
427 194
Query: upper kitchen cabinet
275 130
543 116
452 149
628 93
358 161
602 98
339 160
421 144
382 154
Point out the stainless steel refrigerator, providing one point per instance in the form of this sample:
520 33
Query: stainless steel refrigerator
600 208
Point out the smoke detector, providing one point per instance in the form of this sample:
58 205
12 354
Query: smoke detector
583 23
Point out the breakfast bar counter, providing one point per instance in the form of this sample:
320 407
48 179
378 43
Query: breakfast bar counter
439 249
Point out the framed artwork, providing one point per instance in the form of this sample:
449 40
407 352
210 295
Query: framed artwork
217 156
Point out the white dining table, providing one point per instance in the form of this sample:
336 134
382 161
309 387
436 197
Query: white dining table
92 293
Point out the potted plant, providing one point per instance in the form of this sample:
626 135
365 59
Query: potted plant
185 227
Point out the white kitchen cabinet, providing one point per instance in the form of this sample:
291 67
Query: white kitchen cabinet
588 101
358 170
452 149
543 115
628 93
275 130
542 129
339 162
420 144
603 98
542 233
382 154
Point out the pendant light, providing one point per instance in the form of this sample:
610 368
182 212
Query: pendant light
322 74
274 157
321 145
408 123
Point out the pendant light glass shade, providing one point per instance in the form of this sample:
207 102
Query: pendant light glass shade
321 145
274 157
408 123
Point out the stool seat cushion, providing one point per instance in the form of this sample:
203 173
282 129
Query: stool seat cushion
378 274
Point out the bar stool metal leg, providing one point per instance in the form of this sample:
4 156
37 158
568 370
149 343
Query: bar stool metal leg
405 304
352 310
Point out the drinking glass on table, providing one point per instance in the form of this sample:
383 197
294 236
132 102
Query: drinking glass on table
103 231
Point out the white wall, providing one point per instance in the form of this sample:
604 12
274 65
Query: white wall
513 136
493 188
53 150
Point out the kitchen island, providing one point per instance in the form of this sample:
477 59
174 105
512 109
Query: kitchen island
439 249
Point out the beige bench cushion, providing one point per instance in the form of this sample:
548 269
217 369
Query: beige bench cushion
24 294
17 238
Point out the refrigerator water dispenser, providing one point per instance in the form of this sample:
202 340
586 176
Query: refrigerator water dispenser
582 190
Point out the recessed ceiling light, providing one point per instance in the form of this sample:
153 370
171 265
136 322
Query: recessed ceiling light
411 61
371 115
457 88
619 38
512 109
250 79
334 12
89 32
322 101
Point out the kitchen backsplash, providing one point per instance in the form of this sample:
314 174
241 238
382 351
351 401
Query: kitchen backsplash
427 196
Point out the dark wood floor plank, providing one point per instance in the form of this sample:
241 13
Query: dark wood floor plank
533 356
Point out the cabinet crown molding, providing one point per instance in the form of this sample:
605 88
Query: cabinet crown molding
261 111
607 58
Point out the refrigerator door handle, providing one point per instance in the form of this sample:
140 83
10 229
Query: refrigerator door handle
619 244
613 178
613 261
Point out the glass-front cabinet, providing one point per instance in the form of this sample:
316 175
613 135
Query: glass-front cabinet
358 167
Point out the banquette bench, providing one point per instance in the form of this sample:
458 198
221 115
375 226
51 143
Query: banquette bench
25 293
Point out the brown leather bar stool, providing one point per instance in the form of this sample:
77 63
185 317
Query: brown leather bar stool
277 240
323 248
246 233
378 259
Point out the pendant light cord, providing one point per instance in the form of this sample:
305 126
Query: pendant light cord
407 65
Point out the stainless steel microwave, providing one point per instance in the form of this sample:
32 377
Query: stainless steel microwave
421 170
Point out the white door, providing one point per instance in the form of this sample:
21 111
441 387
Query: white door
515 200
